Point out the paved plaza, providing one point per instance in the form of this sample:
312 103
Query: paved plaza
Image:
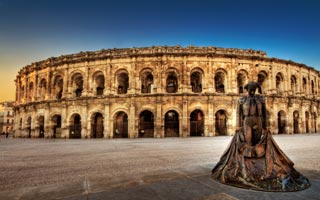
166 168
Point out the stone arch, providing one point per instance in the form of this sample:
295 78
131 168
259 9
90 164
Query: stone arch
314 117
294 85
30 91
147 80
221 123
22 92
28 126
197 123
220 80
279 82
122 81
242 79
146 124
56 121
40 122
172 81
296 118
172 124
97 126
307 120
282 122
262 80
75 126
120 120
304 85
196 80
98 82
58 86
77 84
42 88
312 87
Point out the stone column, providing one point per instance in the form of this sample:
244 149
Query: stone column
107 120
210 121
131 126
84 119
159 123
64 122
107 80
184 132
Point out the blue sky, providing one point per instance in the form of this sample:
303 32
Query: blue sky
37 29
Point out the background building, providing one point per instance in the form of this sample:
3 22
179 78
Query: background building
160 92
6 117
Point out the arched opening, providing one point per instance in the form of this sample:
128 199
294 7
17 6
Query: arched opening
279 83
282 122
77 84
97 125
58 87
262 80
293 84
241 80
28 127
56 120
172 83
312 87
43 89
20 124
219 81
123 82
221 123
30 94
99 83
121 125
146 82
307 122
295 122
75 126
196 123
146 124
171 124
41 126
22 93
196 82
304 85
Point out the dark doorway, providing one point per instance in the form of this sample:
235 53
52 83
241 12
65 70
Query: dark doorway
75 126
307 122
41 126
121 125
28 127
172 124
196 123
221 123
282 122
295 122
56 119
146 124
97 126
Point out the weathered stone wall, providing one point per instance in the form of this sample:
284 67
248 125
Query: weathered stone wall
66 96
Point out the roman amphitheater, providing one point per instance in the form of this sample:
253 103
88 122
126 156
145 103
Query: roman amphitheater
160 92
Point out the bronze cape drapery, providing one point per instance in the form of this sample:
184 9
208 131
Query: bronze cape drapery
260 167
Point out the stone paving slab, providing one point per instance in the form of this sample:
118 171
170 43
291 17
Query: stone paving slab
165 168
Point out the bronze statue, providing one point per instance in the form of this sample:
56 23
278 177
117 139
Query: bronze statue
253 160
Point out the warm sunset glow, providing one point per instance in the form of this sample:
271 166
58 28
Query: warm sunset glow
36 30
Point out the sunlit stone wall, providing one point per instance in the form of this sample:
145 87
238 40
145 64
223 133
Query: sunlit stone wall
160 92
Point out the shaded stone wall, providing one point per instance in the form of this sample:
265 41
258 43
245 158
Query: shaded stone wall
161 80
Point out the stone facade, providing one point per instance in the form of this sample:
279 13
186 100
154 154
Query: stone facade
6 117
160 92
